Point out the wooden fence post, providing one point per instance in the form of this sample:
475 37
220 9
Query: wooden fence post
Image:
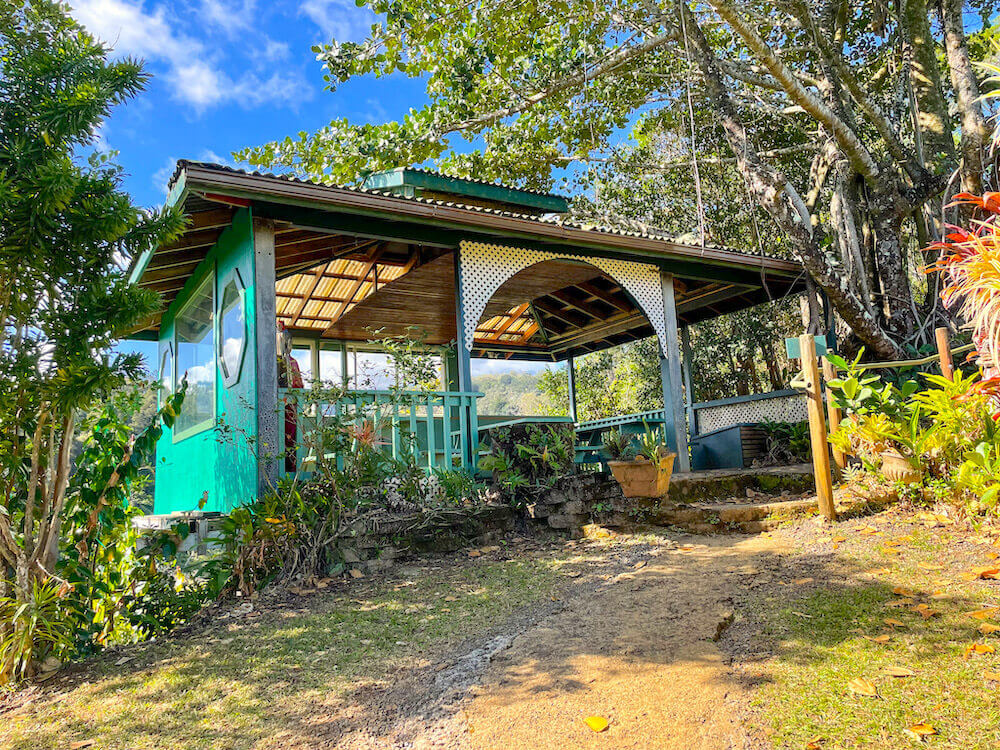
829 373
944 352
817 426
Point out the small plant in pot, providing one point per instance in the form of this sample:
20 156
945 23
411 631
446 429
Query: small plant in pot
901 459
642 473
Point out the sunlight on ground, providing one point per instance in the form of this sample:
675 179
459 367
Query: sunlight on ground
263 681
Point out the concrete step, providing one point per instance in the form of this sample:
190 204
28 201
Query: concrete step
749 518
738 500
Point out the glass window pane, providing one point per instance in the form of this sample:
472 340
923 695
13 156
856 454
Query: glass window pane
330 367
376 371
303 357
234 330
166 374
195 332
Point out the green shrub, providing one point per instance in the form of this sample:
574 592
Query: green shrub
947 429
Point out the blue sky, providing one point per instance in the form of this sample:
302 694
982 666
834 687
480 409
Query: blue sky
229 74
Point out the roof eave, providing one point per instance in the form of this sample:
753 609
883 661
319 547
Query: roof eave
263 187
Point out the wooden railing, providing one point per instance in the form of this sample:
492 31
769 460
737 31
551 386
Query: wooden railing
439 429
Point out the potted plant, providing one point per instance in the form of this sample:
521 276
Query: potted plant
901 459
642 473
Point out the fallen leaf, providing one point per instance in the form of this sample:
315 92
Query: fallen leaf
596 723
930 566
991 676
868 531
883 639
82 744
924 611
919 731
984 614
861 686
640 564
894 623
978 648
899 672
839 539
474 553
355 573
902 591
816 743
890 551
802 581
987 573
939 595
988 628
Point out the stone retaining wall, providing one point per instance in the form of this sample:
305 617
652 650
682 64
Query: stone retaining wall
375 544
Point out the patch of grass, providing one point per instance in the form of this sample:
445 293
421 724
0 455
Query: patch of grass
831 637
262 682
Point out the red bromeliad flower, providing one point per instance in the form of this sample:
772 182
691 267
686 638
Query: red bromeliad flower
969 263
365 434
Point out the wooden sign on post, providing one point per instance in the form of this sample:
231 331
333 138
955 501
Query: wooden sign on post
817 426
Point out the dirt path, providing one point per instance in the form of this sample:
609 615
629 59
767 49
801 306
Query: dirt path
638 649
632 638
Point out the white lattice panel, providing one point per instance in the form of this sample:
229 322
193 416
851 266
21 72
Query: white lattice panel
483 269
779 409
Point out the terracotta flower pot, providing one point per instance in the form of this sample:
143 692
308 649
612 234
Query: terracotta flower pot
644 478
897 468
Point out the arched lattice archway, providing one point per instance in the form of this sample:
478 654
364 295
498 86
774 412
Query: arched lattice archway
483 269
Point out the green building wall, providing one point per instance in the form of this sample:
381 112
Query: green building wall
220 460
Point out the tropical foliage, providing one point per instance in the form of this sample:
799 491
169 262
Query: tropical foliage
944 427
843 123
65 227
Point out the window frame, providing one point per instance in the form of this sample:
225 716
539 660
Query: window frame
231 379
208 423
166 351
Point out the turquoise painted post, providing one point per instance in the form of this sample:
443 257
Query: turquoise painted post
463 366
670 376
571 382
692 416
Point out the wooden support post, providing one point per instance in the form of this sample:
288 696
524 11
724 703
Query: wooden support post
692 415
829 373
817 426
944 352
270 434
670 376
571 382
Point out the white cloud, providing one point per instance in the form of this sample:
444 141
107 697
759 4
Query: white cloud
162 175
230 17
483 366
210 156
193 74
274 50
339 19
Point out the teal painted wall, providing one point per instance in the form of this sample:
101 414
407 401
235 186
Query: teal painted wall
221 460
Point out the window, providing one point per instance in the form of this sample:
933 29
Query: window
376 371
166 373
233 327
194 330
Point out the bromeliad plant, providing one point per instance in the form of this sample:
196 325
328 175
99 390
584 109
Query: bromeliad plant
969 262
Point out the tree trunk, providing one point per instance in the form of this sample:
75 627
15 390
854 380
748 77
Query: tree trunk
778 197
975 129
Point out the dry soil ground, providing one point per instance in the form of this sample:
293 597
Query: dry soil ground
679 641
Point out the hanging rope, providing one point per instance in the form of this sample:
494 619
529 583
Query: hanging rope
694 146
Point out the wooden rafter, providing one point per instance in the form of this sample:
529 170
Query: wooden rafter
360 282
512 317
609 298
